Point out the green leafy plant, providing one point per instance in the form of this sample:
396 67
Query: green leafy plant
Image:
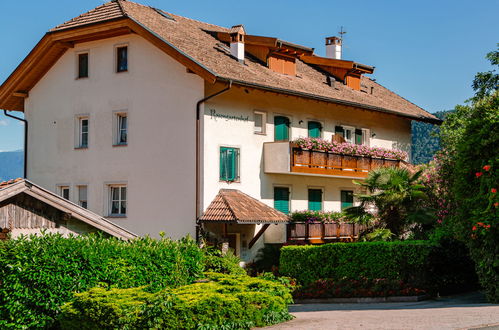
380 234
317 216
223 302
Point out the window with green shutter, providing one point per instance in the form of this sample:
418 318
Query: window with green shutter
315 199
229 164
281 199
346 199
314 129
358 136
339 131
281 128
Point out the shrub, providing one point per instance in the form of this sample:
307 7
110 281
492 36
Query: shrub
443 266
373 260
225 302
218 262
40 273
317 216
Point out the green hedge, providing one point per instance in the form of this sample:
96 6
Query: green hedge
403 260
40 273
225 302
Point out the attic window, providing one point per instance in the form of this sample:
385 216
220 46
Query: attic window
163 13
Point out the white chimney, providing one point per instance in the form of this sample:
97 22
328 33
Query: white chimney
333 48
237 33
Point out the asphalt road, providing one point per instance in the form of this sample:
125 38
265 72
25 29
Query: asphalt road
467 311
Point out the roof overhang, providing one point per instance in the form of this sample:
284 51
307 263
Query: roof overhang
57 202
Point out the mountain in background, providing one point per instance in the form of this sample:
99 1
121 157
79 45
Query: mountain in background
11 165
425 141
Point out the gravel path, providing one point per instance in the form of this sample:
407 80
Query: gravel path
468 311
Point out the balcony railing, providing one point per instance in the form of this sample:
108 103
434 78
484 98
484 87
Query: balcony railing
286 157
318 232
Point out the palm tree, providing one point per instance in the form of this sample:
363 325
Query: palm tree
393 200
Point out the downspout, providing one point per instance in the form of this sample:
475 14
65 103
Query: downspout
25 141
198 151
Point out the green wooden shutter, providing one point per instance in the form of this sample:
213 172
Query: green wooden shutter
281 129
315 199
314 129
339 130
358 136
228 164
281 199
346 199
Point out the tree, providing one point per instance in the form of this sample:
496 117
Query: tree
486 83
392 200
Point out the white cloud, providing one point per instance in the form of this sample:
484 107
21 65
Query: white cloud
4 122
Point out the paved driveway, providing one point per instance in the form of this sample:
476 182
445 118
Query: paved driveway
456 312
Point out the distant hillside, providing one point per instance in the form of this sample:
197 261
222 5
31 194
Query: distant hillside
424 140
11 164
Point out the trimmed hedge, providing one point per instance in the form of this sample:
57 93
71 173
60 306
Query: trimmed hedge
404 260
225 302
444 266
40 273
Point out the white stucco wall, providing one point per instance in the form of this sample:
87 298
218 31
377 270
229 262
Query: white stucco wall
390 131
158 165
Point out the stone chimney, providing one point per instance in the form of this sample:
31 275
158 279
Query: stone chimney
237 33
333 48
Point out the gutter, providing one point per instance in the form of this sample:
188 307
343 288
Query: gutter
25 141
328 100
198 151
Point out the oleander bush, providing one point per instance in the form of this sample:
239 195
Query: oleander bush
428 266
40 273
222 302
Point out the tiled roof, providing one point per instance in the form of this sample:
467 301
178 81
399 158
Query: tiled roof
231 205
196 41
9 182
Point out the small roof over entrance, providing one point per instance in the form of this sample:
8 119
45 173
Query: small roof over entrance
231 205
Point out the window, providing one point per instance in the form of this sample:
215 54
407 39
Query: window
83 65
346 199
83 132
315 199
64 192
260 122
122 59
82 196
314 129
122 129
281 199
117 201
229 164
281 129
353 135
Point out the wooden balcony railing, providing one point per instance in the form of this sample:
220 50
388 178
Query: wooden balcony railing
322 162
318 232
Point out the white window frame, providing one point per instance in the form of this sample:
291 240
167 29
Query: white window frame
79 131
111 188
80 200
118 115
352 134
264 122
60 190
366 136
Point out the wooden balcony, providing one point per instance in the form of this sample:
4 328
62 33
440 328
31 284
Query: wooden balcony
285 157
318 232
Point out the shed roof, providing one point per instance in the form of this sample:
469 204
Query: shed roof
231 205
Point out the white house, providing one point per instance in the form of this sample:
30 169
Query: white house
146 118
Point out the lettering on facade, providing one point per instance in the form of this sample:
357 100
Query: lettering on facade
215 115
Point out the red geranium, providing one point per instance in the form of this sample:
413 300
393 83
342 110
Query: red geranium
486 167
478 174
474 228
493 190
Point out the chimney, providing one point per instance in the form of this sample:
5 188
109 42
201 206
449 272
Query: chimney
237 33
333 48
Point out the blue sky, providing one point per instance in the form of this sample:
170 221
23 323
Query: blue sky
427 51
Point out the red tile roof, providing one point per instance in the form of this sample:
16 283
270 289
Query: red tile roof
196 41
9 182
231 205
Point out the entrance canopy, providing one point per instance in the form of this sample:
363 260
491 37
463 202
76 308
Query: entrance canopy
234 206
